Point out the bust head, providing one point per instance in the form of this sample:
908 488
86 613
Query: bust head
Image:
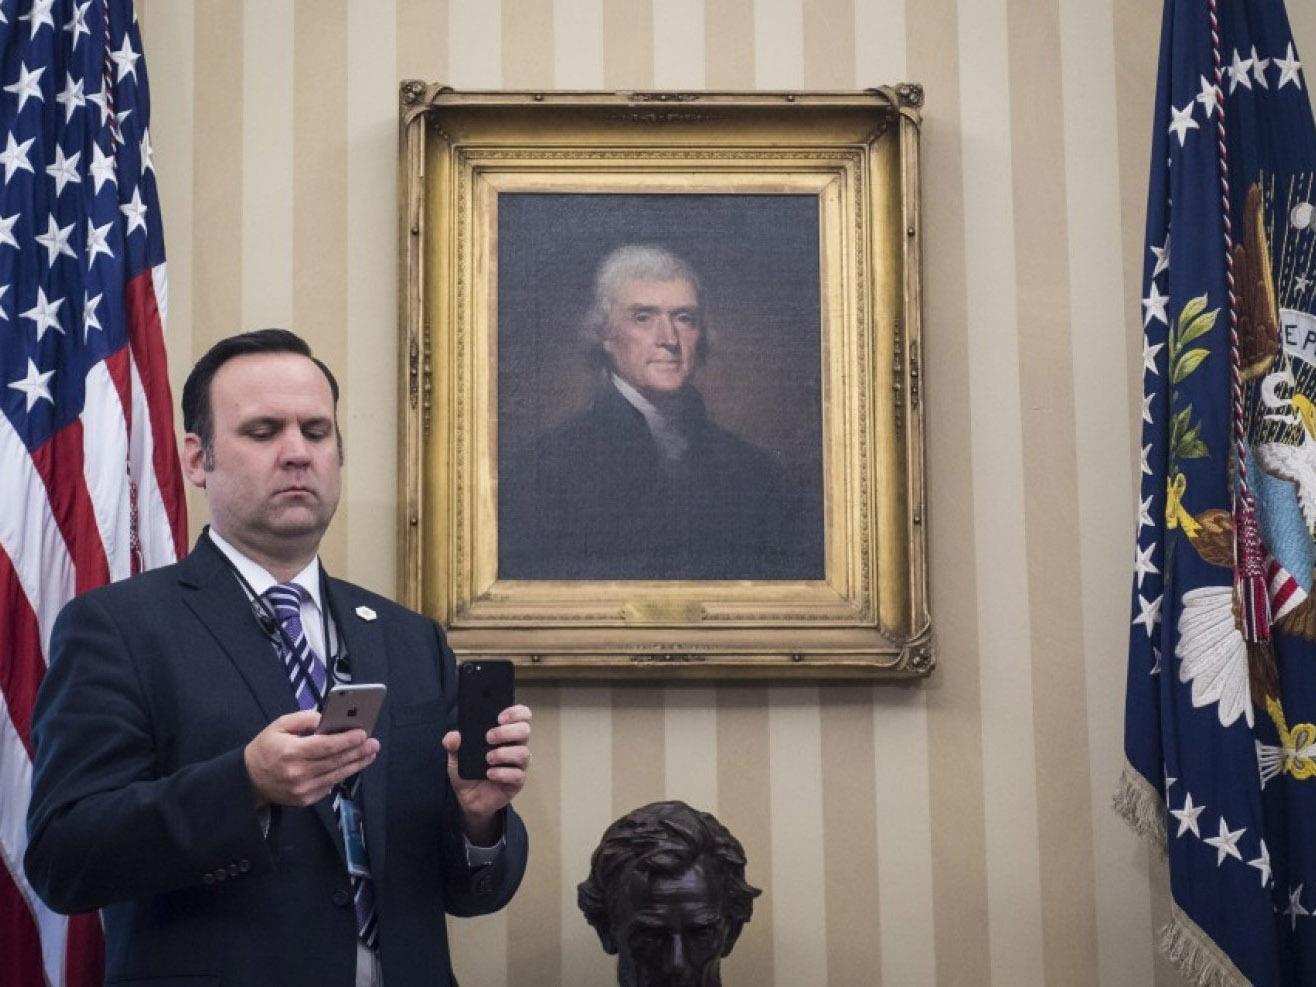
667 895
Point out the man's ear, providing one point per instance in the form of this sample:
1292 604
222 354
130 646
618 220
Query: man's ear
194 457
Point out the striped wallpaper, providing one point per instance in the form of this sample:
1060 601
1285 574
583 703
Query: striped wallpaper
953 832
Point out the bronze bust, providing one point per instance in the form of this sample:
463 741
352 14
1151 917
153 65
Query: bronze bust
667 895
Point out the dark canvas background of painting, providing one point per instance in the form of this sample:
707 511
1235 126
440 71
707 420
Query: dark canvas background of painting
758 259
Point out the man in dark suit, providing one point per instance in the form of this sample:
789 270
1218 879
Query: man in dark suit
642 484
179 787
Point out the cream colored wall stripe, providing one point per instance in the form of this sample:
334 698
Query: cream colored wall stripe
678 44
167 34
879 43
370 384
586 806
904 840
778 44
628 44
267 245
578 44
799 926
1097 293
690 743
475 36
1008 763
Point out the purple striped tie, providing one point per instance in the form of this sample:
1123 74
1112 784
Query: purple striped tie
306 672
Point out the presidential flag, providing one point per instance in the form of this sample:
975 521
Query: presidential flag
90 489
1220 731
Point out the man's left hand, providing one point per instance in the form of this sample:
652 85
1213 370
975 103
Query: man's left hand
509 756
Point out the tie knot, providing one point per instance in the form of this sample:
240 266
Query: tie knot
286 598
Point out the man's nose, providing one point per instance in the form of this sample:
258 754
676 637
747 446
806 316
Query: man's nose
295 450
664 332
676 954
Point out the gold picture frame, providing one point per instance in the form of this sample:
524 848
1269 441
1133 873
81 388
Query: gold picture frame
801 210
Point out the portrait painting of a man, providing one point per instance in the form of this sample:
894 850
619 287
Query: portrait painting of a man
635 475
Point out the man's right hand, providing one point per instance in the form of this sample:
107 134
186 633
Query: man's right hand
289 764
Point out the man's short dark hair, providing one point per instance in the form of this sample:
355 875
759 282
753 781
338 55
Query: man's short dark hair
666 839
198 415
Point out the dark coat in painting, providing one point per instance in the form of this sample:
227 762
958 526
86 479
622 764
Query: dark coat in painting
597 501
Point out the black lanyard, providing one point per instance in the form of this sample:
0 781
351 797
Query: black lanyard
270 623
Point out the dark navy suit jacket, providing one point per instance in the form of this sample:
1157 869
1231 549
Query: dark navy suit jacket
142 805
596 501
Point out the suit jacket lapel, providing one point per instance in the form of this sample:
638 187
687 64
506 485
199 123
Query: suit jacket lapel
364 639
214 595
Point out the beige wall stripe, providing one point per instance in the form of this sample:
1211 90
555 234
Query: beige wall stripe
902 801
745 808
267 163
678 44
879 43
578 44
535 918
954 706
799 917
423 40
585 802
475 62
851 874
370 384
1137 34
168 36
1014 920
628 51
729 44
1097 294
639 772
778 44
319 222
1050 489
527 44
690 746
829 44
475 33
216 247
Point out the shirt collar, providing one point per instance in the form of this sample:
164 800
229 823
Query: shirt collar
666 432
259 579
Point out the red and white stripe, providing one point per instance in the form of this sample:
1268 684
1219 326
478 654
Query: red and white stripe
1285 593
99 501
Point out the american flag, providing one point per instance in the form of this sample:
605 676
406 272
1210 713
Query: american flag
1220 723
90 489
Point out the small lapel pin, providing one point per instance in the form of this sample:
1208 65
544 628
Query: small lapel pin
365 613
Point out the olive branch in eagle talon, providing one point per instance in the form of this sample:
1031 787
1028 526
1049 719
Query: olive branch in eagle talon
1210 531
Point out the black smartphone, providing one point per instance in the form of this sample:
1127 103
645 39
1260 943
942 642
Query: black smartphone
485 687
351 707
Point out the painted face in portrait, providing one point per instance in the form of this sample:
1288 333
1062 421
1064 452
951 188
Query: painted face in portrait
273 477
653 336
671 931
